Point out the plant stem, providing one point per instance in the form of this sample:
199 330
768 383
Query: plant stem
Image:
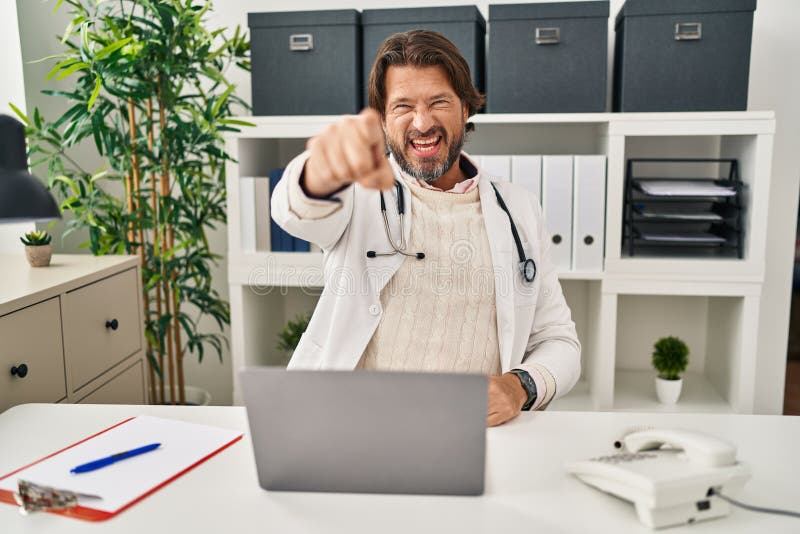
158 399
129 202
137 187
167 226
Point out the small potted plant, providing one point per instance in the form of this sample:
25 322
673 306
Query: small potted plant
38 249
289 337
670 358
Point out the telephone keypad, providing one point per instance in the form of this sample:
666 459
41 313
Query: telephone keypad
626 457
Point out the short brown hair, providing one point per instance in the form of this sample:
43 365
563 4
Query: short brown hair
422 48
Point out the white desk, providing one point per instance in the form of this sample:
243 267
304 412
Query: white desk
526 487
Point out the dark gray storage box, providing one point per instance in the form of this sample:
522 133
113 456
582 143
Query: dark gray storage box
682 55
463 25
306 62
548 58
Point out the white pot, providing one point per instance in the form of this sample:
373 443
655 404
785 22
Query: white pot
668 391
193 396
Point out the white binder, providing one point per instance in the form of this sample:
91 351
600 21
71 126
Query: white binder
557 206
527 172
589 213
247 213
497 167
261 220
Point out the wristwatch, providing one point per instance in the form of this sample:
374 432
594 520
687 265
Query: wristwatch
529 385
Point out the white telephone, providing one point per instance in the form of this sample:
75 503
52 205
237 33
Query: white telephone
668 475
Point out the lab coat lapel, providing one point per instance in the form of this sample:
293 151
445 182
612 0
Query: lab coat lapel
498 230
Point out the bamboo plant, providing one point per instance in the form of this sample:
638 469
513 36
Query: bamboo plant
148 90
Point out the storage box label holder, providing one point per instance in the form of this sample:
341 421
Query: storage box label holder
301 42
688 31
548 36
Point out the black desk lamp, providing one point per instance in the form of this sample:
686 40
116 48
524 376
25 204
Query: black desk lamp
22 196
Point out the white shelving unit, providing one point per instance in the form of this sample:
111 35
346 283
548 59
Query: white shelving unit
712 303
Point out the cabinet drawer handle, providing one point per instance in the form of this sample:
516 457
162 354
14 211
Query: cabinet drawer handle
113 324
20 370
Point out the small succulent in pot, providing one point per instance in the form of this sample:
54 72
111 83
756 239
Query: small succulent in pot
37 238
670 359
38 249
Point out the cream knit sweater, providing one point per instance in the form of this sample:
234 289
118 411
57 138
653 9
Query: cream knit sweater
439 312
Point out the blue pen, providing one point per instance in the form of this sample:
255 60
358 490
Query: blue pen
114 458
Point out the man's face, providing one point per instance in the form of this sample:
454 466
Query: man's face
425 120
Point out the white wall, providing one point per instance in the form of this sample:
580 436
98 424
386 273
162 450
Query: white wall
774 85
12 89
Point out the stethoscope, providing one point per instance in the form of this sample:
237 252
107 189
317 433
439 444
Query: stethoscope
526 265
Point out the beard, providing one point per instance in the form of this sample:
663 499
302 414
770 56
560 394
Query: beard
429 169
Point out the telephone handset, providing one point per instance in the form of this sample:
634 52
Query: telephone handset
667 474
707 450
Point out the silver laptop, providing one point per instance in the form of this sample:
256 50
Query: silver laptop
367 431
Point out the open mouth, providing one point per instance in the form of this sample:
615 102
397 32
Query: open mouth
426 146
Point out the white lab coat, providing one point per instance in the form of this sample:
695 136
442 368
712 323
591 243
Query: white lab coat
535 330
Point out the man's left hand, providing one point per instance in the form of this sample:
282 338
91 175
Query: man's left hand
506 399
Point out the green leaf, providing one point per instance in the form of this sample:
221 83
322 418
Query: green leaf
84 39
110 49
68 181
19 114
221 100
237 122
98 175
72 69
98 83
46 58
71 27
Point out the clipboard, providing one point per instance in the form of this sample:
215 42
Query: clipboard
184 446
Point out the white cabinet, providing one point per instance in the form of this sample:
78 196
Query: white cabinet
713 303
71 332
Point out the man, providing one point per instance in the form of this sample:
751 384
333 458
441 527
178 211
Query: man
439 289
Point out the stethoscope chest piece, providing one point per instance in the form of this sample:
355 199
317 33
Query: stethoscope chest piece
528 268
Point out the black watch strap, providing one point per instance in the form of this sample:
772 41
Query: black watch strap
529 385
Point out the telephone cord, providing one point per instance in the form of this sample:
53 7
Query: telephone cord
752 508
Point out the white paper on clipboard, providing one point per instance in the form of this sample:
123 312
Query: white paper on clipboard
183 445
